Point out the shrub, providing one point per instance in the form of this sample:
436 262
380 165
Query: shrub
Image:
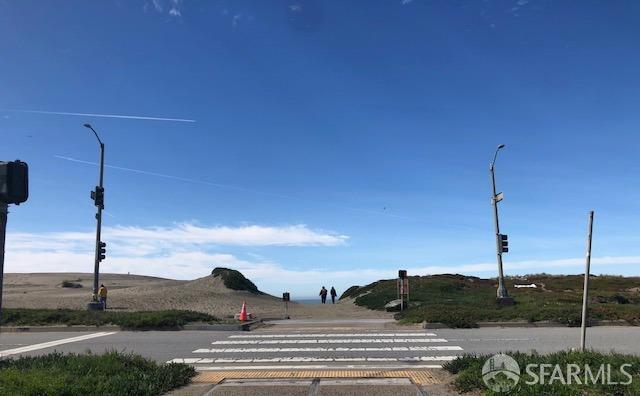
151 320
234 280
112 373
71 284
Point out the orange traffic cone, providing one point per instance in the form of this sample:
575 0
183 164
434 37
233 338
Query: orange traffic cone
243 312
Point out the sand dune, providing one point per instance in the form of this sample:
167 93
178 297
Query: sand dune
142 293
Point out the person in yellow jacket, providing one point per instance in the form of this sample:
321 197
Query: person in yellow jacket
102 293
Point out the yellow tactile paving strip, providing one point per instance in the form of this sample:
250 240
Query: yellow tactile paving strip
419 377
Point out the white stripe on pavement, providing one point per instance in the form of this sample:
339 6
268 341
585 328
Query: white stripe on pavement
310 335
50 344
320 349
313 359
339 341
321 367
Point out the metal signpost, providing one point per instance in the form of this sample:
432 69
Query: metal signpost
286 297
585 294
402 287
14 189
502 242
97 196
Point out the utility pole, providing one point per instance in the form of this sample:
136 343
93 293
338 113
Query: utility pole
501 240
585 293
98 197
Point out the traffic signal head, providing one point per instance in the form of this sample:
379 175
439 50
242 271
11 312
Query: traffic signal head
402 274
286 297
14 182
102 250
503 243
97 196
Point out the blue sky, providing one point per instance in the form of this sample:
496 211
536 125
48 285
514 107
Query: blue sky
333 142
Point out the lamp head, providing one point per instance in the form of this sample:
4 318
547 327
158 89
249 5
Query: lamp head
87 126
501 146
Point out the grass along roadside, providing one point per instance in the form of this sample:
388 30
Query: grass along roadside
468 370
463 301
112 373
151 320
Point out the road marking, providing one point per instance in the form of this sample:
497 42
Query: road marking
307 359
339 341
50 344
313 335
321 367
321 349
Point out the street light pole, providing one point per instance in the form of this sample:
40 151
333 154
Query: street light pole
98 196
502 294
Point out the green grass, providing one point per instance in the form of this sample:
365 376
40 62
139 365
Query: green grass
469 373
463 301
153 320
112 373
234 280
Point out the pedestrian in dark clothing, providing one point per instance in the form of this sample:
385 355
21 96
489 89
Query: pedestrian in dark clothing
323 295
333 295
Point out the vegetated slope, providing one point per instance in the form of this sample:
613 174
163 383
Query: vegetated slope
462 301
234 280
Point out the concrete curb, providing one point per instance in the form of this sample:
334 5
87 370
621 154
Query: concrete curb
525 324
247 326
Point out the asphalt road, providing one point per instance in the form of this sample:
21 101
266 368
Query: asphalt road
320 345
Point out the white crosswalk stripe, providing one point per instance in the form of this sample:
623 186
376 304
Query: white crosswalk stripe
322 349
339 341
315 335
313 359
303 350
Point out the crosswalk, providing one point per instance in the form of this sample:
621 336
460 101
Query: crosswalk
323 350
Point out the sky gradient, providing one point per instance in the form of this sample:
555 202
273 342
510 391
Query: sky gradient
311 143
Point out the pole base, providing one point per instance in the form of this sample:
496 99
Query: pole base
95 306
505 301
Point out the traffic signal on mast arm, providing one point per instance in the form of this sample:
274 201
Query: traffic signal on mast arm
503 243
102 250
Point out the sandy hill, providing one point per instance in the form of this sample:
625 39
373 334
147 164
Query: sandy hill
221 295
134 293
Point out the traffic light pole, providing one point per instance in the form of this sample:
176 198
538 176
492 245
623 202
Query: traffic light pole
96 269
501 294
3 229
502 291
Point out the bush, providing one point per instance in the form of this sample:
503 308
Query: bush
112 373
152 320
71 284
469 373
234 280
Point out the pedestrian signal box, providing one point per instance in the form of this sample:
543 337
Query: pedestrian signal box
286 297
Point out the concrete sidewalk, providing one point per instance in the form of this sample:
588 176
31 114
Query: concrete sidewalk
315 387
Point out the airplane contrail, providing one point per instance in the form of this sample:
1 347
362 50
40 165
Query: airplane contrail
229 186
128 117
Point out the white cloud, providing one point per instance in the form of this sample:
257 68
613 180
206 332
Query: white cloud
405 2
157 4
180 236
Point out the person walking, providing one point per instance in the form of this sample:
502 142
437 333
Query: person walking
323 295
333 295
102 293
